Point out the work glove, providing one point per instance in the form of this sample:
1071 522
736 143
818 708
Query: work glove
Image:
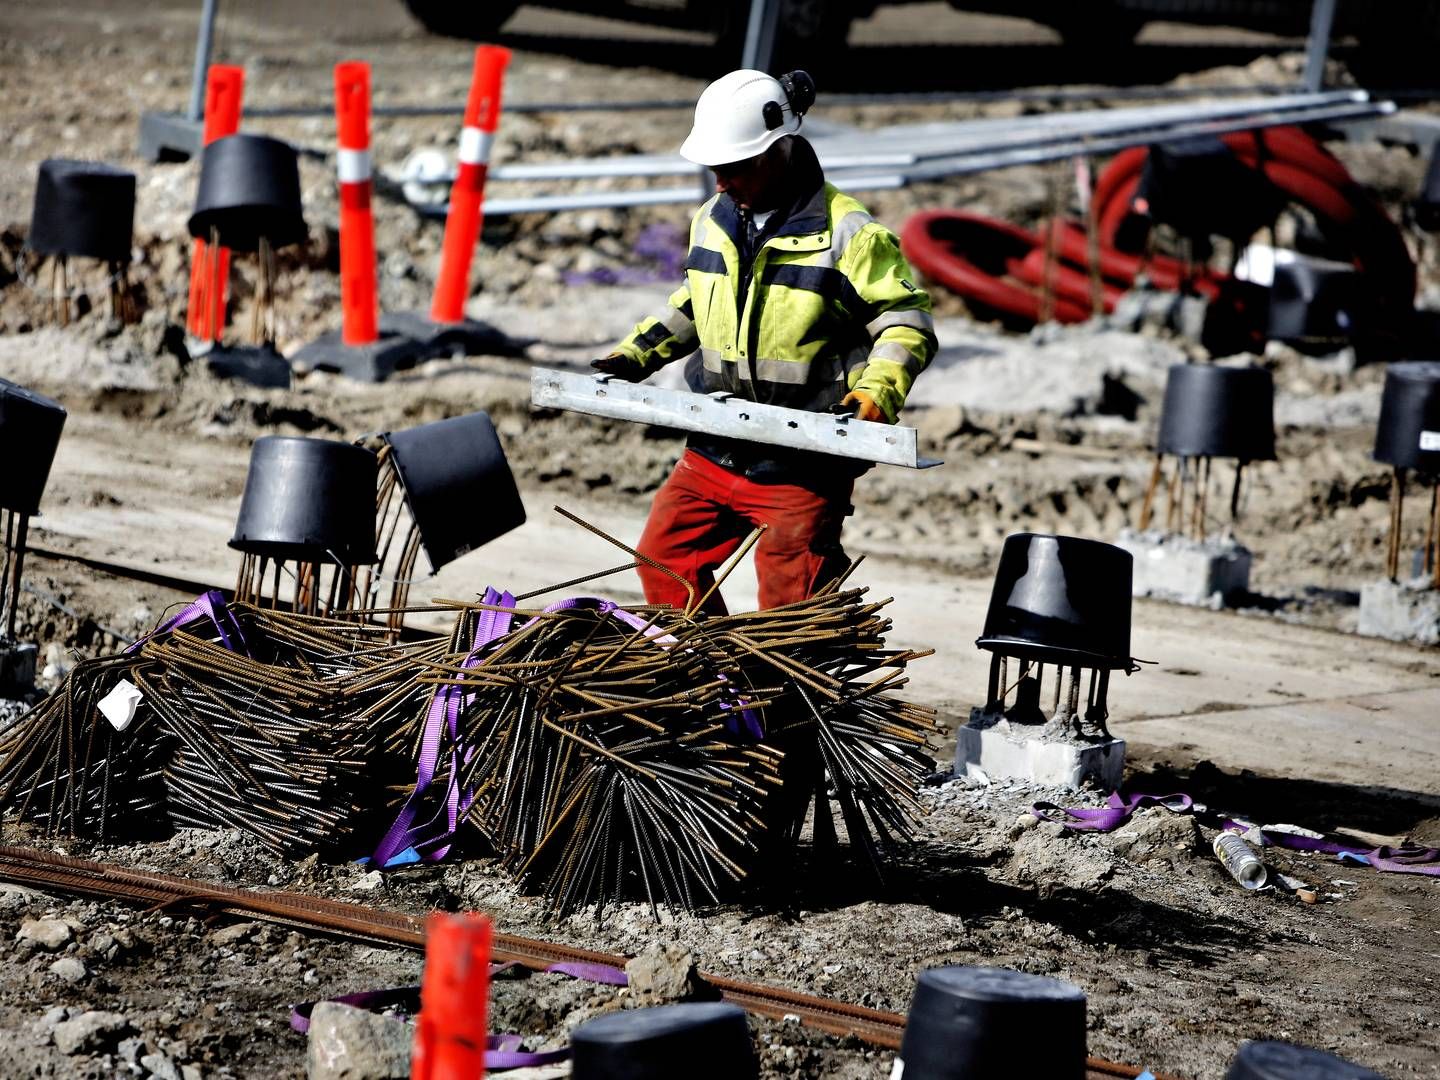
863 407
620 366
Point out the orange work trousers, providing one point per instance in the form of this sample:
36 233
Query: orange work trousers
702 514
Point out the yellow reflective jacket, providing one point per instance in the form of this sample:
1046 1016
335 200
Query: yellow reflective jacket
826 305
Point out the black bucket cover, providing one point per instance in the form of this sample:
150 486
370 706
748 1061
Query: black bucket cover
30 426
692 1042
1408 434
1200 189
980 1023
249 188
1061 600
1214 411
308 500
458 485
1316 300
84 209
1286 1061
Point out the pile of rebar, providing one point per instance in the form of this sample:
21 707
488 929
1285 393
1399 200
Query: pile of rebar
603 754
273 728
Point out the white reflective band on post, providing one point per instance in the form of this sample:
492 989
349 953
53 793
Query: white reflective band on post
1430 440
475 146
897 1071
353 166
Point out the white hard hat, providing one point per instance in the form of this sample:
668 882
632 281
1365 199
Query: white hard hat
738 116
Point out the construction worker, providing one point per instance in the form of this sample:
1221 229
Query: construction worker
795 296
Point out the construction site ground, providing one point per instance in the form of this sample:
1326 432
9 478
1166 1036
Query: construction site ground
1275 711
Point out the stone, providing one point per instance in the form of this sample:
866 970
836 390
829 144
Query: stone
1401 610
663 973
130 1050
69 969
1157 835
54 1016
234 934
368 882
191 1072
1209 573
1041 754
159 1065
91 1032
351 1044
48 934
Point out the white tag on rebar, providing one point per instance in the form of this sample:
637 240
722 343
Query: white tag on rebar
898 1069
120 704
1430 440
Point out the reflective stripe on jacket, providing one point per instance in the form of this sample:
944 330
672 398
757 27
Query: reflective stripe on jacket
829 305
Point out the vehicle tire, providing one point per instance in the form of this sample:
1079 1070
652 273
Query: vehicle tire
471 19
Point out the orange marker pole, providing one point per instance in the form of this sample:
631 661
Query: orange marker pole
224 90
467 195
357 221
450 1032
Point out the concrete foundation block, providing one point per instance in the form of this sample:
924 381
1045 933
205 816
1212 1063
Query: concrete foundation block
1210 573
1401 611
1039 754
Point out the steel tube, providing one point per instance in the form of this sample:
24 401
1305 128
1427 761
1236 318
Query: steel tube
1317 46
204 45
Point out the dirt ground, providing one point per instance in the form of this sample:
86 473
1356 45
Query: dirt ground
1276 712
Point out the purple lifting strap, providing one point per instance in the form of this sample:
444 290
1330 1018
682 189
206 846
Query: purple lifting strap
1110 817
429 840
1406 859
209 606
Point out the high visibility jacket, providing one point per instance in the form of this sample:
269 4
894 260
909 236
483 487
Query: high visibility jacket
827 305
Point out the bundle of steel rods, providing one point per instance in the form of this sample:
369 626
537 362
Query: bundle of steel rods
650 754
277 731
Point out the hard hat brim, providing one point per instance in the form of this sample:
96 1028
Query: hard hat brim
703 150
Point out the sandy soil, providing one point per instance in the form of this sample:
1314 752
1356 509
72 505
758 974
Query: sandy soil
1275 712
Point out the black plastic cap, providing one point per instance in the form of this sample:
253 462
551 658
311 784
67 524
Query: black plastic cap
696 1042
979 1023
309 500
1178 184
30 426
83 208
458 485
1061 600
1316 300
1213 411
1286 1061
1408 434
249 188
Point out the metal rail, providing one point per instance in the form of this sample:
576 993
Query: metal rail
45 870
727 416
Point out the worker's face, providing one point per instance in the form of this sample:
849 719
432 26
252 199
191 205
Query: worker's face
755 182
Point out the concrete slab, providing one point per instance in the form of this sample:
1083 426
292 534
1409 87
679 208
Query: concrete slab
1401 610
1176 568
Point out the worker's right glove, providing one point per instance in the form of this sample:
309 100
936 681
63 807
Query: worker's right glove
620 366
863 406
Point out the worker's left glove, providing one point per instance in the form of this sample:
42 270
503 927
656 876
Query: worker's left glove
864 407
620 366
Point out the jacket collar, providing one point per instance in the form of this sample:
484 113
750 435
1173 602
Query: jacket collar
803 215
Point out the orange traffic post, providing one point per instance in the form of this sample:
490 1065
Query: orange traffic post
467 195
224 91
450 1032
358 299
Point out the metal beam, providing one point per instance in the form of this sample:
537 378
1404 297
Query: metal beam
760 34
727 416
1317 47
